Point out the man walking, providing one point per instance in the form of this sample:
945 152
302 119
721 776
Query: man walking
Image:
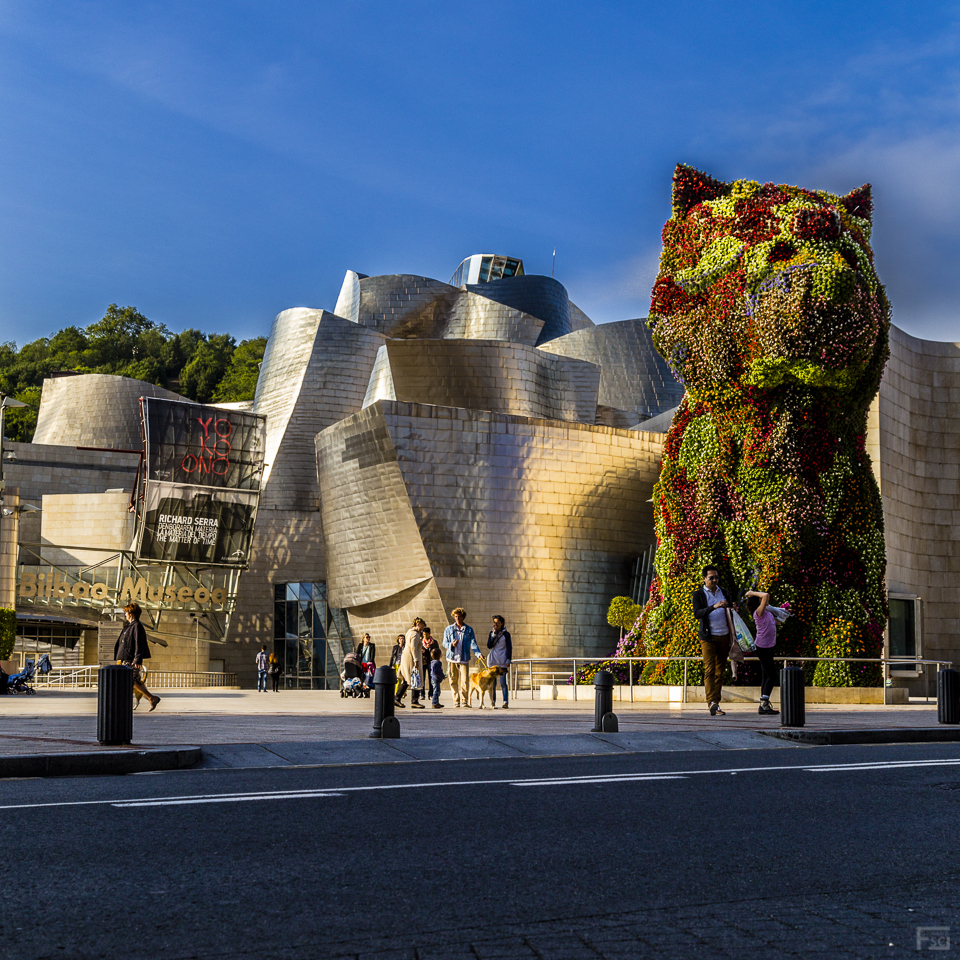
263 665
500 655
710 605
460 643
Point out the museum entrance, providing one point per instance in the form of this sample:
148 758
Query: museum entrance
311 638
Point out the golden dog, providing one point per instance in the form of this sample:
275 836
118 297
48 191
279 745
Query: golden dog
482 683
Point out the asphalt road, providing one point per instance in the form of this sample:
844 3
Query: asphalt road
833 851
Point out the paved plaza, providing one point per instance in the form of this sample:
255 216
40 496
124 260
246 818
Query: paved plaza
60 721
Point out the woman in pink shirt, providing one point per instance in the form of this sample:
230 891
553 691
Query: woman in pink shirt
757 604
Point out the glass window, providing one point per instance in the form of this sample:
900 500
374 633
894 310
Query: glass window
485 269
301 618
292 612
903 632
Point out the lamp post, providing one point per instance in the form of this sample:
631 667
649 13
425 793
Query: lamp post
6 402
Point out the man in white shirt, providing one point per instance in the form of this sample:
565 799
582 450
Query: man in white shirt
710 604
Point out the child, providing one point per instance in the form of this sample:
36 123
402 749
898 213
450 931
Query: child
758 603
436 676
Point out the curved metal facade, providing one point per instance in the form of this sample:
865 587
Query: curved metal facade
510 378
535 519
94 410
635 381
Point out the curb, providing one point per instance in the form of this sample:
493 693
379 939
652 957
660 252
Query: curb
99 763
903 735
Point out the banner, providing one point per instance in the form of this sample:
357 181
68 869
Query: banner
183 524
202 468
206 446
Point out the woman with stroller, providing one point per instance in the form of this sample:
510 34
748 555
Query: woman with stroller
131 650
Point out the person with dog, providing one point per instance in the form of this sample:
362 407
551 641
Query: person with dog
758 603
131 649
500 655
411 665
263 664
460 643
710 606
437 676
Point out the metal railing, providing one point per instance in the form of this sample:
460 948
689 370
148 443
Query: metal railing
78 678
532 672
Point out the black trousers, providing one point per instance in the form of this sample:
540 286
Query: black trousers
769 668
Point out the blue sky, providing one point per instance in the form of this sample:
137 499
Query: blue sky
214 163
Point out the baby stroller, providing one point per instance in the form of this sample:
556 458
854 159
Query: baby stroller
19 682
351 677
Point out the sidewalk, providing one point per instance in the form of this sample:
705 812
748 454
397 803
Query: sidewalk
246 728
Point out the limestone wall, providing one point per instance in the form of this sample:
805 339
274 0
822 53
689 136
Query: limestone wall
919 450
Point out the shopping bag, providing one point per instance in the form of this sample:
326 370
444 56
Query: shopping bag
742 633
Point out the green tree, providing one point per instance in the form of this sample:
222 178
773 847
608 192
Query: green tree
240 380
200 377
20 422
123 335
623 613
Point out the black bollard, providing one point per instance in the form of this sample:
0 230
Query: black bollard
605 720
385 725
948 696
792 704
114 704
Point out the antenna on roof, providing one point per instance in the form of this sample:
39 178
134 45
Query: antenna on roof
554 264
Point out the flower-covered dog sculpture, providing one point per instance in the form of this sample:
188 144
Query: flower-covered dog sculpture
768 309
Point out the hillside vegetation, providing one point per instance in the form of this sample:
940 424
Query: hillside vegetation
204 367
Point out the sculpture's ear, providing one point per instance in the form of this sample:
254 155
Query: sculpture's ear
691 187
859 202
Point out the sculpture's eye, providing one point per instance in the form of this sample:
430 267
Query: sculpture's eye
781 250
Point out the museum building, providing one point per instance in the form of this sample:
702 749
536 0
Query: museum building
478 443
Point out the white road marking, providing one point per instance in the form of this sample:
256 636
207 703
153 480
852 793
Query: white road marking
223 798
511 781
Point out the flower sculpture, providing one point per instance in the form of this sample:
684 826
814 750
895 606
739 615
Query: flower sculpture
769 311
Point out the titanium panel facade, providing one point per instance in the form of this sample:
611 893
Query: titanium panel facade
635 381
535 519
94 410
509 378
315 374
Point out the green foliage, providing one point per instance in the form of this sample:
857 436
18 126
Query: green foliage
126 343
8 632
623 613
20 422
201 376
240 380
